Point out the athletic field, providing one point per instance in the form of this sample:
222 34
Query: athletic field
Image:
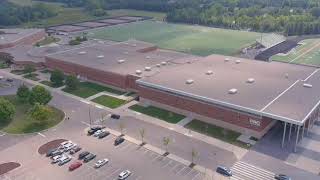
307 53
197 40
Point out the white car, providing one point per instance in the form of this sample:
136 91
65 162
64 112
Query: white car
64 159
56 159
101 163
68 147
124 174
96 134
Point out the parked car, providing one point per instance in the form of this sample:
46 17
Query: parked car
115 116
1 77
224 171
56 152
92 130
75 149
118 141
89 157
50 151
101 163
103 134
124 174
9 80
75 165
56 159
83 155
282 177
64 159
96 134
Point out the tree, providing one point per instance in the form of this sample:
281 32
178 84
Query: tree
72 82
40 113
28 69
121 127
142 133
57 78
7 110
39 95
194 154
166 141
23 93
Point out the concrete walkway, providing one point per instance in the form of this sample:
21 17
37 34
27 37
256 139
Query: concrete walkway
184 121
126 98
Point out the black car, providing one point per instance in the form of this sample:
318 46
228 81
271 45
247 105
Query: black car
83 154
75 150
89 157
9 80
281 177
115 116
103 134
118 141
92 130
50 151
224 171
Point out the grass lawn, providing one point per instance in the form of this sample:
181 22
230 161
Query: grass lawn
49 83
21 124
87 89
216 132
109 101
196 40
18 72
159 16
162 114
307 53
48 40
32 76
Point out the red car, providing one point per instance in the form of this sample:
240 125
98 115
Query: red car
75 165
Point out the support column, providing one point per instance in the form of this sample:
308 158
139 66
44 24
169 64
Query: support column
302 134
284 134
297 138
309 122
290 132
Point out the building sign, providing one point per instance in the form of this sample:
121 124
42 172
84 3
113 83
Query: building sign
255 122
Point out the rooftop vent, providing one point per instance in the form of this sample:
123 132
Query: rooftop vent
82 52
1 37
233 91
100 56
189 81
226 59
238 61
163 63
121 61
147 68
209 72
307 85
148 57
138 72
286 75
134 45
126 43
158 65
250 80
126 52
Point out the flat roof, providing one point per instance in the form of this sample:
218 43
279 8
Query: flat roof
13 35
274 89
122 58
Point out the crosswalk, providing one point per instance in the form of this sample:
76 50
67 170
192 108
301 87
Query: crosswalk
245 171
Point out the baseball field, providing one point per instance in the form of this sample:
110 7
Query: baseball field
192 39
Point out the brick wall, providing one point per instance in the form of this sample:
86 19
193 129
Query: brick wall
215 112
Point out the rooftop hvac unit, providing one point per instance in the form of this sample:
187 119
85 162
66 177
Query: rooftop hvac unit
189 81
100 56
120 61
209 72
238 61
307 85
138 72
286 75
226 59
1 37
233 91
126 52
147 68
148 57
250 80
158 65
134 45
82 52
163 63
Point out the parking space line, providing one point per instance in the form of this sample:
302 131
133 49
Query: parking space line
195 177
176 170
85 123
125 146
181 169
113 172
165 165
41 134
186 171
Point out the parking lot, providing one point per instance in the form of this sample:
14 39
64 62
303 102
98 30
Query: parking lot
143 163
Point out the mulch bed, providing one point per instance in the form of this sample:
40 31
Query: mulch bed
6 167
50 145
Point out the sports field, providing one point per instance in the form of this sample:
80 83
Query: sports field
197 40
307 53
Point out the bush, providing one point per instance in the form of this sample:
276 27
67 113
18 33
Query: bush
57 78
7 109
72 83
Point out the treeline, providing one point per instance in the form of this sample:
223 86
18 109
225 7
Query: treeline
11 14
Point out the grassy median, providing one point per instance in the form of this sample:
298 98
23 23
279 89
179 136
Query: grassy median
109 101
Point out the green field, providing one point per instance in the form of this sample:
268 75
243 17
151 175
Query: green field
197 40
22 124
109 101
159 16
307 53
